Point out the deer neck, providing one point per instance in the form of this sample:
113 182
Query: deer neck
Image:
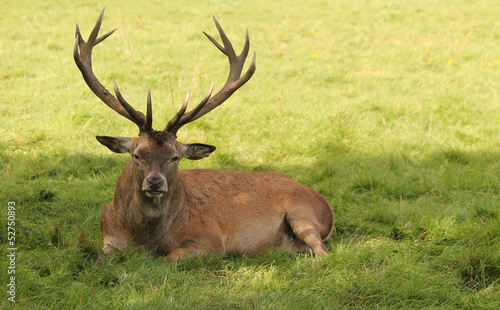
167 205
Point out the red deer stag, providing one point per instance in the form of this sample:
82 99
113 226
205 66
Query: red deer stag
187 212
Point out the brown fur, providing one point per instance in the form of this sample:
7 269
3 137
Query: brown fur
210 211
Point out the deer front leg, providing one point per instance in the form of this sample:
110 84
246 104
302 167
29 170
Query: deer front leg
114 237
180 253
108 249
209 244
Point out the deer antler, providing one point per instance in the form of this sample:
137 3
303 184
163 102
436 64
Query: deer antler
82 53
234 81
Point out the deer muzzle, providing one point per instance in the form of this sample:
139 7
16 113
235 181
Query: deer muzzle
154 186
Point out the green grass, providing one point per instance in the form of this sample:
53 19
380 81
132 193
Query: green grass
389 109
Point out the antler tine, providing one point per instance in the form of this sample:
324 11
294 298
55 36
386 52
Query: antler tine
149 113
203 102
82 53
234 81
172 125
144 123
173 122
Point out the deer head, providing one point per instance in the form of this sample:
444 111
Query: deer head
156 154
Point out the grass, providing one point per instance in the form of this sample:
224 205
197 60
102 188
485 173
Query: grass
389 109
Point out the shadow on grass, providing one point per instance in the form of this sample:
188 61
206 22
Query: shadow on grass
447 200
443 199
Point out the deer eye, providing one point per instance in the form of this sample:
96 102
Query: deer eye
136 157
175 159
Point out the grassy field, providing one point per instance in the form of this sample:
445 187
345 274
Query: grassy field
389 109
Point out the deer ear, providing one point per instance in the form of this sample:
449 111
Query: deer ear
117 144
196 150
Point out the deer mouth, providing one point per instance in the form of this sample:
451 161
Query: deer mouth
154 194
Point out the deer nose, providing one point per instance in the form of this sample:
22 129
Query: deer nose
154 184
